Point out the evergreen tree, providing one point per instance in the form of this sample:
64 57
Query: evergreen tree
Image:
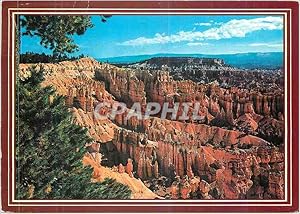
56 32
30 57
49 148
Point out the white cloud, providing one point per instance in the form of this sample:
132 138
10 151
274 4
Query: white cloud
234 28
218 23
197 44
269 45
203 24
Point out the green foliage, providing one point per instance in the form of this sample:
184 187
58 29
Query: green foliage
56 31
49 149
30 57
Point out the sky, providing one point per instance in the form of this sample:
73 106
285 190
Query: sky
127 35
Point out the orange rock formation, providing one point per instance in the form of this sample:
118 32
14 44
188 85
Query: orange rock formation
229 154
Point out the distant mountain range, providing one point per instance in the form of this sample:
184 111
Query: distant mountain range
270 60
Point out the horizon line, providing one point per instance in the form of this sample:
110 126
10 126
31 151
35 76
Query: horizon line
188 54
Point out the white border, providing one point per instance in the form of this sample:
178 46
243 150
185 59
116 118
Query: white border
157 202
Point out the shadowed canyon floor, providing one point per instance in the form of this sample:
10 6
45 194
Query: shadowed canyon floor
235 152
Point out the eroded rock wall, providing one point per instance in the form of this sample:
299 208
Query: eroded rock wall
228 154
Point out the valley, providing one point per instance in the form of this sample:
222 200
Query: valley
236 150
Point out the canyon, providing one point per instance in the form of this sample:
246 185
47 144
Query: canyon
236 150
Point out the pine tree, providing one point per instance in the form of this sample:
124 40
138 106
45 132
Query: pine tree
49 149
56 32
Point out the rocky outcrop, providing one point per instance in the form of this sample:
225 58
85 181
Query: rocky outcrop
208 152
213 154
139 190
234 151
122 84
99 130
242 109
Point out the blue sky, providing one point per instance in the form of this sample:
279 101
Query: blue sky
124 35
